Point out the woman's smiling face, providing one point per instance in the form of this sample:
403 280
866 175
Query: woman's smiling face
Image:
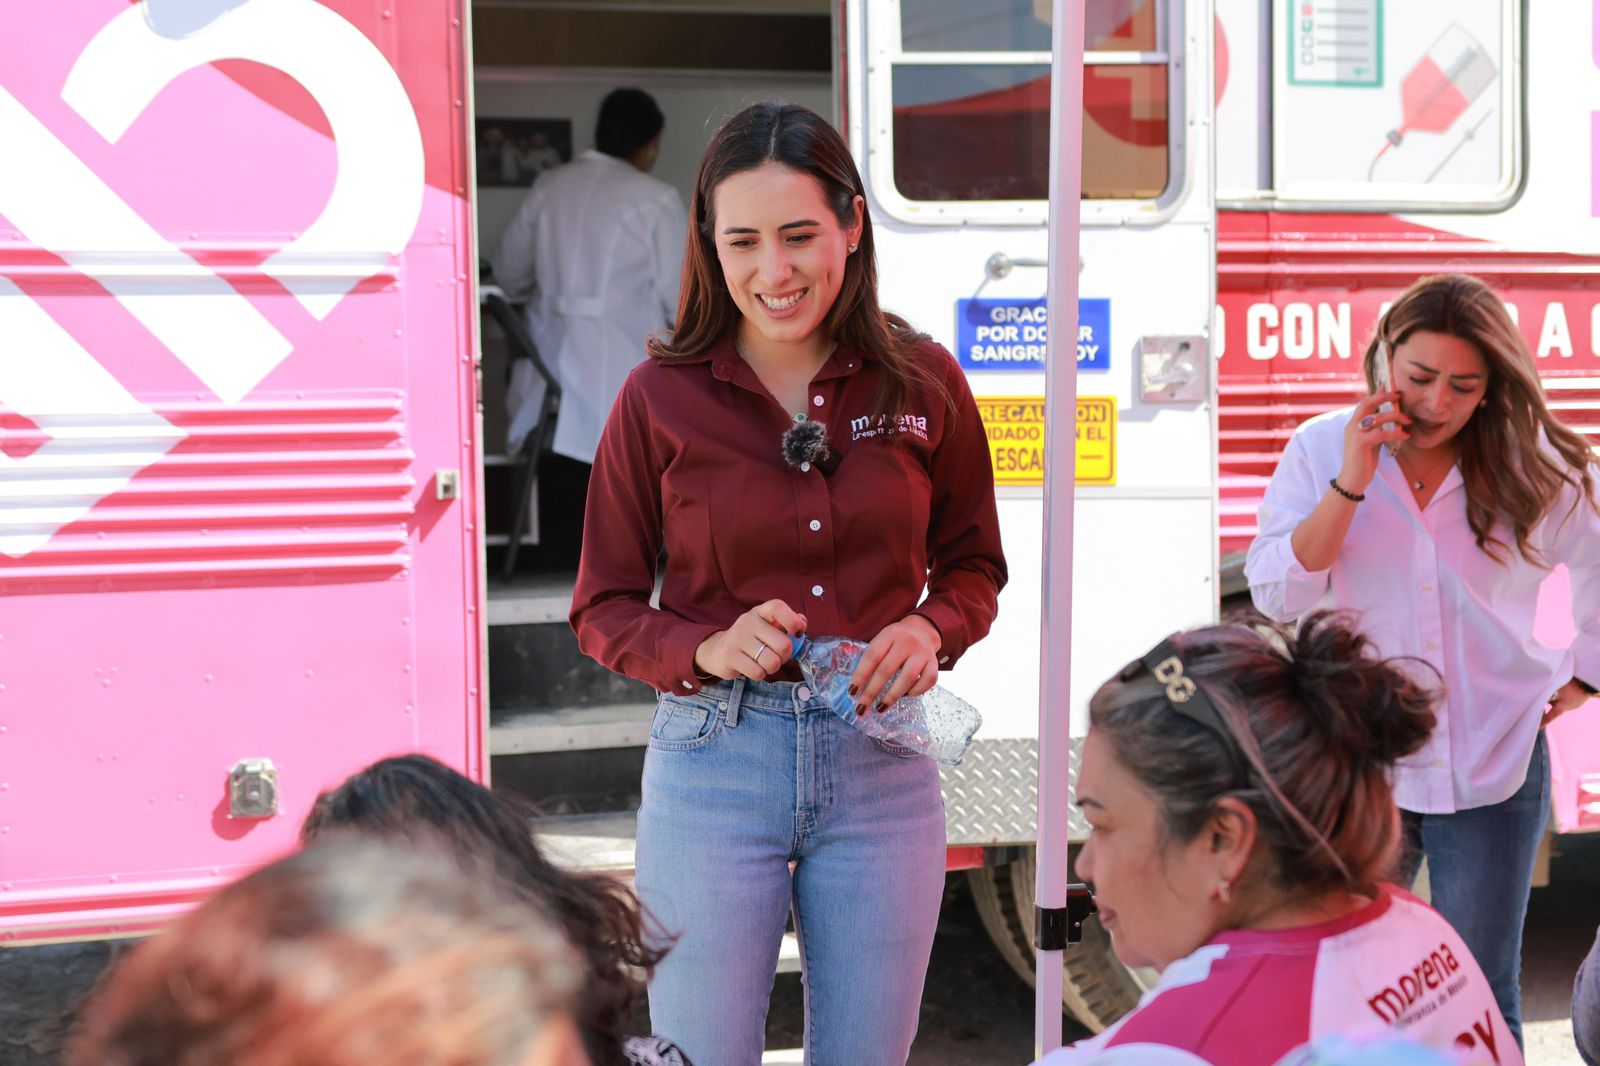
782 249
1154 894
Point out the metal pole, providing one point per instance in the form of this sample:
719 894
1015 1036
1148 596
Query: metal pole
1061 390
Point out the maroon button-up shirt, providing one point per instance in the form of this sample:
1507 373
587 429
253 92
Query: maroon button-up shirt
691 460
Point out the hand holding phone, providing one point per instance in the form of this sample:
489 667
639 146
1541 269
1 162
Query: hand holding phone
1383 379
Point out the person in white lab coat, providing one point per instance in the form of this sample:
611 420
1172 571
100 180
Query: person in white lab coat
1436 508
596 251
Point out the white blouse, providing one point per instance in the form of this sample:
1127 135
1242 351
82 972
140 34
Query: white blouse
1424 589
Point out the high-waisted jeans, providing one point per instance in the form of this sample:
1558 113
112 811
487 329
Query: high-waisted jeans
742 780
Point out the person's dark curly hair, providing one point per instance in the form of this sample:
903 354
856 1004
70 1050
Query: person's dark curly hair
351 952
600 915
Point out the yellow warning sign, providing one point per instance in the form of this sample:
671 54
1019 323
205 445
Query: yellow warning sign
1097 440
1015 427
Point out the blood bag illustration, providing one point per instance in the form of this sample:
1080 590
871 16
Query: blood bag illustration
1445 81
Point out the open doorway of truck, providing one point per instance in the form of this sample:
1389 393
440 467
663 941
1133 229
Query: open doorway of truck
541 70
564 731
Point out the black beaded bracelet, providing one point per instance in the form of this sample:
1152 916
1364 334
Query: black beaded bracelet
1353 497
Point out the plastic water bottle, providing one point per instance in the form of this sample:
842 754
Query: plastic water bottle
936 724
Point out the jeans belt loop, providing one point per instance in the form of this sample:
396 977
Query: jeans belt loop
731 715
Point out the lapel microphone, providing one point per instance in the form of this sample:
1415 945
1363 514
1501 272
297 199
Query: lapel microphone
807 442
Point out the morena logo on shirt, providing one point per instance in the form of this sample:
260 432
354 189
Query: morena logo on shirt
1397 999
884 426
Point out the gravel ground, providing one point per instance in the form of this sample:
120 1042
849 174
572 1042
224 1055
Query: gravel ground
1561 927
39 993
975 1010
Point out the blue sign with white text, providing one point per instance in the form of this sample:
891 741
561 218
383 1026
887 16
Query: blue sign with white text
1011 334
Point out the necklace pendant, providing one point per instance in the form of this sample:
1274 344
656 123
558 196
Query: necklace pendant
1417 485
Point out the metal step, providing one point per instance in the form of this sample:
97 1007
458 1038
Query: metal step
606 725
500 540
605 842
531 599
789 954
601 842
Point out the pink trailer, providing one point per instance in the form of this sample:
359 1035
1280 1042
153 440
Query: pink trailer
239 554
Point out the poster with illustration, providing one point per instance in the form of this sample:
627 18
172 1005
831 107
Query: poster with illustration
1392 100
514 151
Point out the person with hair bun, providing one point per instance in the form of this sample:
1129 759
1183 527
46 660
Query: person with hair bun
1242 827
1435 508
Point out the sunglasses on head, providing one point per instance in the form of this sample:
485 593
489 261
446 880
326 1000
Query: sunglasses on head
1188 699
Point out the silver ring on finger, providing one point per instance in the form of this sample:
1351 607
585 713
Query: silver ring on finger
756 655
1368 422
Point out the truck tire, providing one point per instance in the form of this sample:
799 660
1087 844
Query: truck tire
1096 989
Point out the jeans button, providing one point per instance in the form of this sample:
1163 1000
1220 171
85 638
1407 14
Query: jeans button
802 693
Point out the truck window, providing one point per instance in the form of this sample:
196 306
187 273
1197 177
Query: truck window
1371 104
970 100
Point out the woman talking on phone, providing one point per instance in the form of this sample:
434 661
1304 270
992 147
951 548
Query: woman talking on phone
1435 508
884 529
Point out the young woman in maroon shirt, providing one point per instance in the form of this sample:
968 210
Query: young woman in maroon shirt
893 538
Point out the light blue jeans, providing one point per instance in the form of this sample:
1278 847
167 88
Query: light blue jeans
1480 871
741 780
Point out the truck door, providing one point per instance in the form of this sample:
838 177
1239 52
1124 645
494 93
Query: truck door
948 111
238 502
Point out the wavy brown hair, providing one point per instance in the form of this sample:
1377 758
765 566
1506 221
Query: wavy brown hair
405 795
802 140
1510 477
1320 721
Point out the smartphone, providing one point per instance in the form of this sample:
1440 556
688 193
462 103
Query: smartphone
1384 383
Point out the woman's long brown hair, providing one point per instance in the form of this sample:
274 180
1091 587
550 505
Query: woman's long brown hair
800 139
1510 477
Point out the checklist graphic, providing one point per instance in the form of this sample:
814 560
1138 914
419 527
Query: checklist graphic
1335 42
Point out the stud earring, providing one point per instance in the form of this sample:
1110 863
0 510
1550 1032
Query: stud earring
853 247
1224 890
